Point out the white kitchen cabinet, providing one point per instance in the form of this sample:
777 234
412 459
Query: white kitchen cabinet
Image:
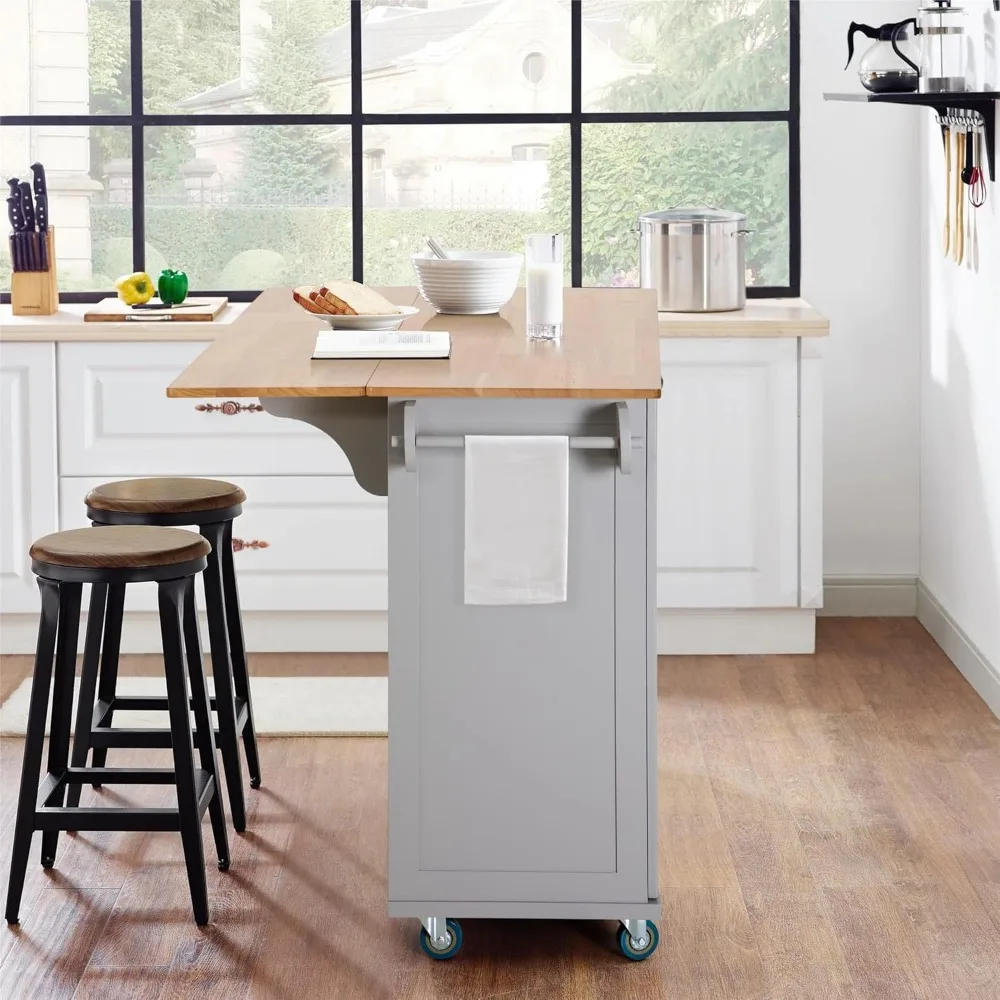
28 486
116 422
303 543
728 474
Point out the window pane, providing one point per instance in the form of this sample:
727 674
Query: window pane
249 206
467 185
59 58
632 169
701 55
246 56
473 56
88 175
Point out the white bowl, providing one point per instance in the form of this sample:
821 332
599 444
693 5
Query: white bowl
382 321
468 282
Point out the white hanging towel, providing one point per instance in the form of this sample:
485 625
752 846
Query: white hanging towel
516 519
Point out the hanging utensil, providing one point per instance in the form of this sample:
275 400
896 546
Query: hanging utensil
977 193
946 135
959 201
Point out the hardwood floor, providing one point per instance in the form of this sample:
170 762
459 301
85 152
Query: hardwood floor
829 828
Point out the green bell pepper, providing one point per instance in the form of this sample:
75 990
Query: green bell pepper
172 287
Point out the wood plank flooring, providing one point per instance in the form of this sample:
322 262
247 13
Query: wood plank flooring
829 828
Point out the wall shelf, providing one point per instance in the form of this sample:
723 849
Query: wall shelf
983 101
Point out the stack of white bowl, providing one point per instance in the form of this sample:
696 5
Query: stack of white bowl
468 281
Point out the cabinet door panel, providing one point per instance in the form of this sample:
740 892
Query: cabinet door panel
517 762
303 543
727 483
116 421
27 466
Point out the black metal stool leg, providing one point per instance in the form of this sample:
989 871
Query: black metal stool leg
205 730
108 685
62 702
171 599
237 648
88 685
222 672
34 737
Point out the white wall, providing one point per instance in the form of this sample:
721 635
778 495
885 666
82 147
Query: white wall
860 261
960 404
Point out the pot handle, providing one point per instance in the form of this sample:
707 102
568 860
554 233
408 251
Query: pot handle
743 232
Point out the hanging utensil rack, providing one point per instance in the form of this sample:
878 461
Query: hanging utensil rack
981 103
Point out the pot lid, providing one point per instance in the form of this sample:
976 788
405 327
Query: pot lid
700 214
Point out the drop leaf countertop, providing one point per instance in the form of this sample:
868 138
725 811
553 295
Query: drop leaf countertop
609 350
760 318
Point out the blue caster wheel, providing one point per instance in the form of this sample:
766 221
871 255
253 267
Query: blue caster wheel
451 946
629 948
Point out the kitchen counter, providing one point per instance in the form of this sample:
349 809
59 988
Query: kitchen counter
609 350
760 318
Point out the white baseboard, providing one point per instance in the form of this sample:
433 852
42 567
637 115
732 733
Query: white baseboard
959 648
750 631
869 597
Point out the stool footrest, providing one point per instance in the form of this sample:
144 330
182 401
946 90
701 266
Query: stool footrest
104 735
48 817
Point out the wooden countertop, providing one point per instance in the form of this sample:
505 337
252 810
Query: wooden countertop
760 318
68 325
609 350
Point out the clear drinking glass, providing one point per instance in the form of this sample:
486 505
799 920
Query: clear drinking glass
543 256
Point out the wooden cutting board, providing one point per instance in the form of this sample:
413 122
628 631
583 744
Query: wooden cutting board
195 310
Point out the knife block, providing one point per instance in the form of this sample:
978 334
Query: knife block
35 293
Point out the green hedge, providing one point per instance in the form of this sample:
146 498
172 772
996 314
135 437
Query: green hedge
247 247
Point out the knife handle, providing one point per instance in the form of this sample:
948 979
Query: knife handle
15 255
42 211
43 249
15 187
27 206
14 212
38 173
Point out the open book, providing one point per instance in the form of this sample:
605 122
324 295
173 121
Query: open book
382 344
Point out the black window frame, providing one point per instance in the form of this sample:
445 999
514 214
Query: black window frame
138 120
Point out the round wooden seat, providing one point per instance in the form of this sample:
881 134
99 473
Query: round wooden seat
180 495
120 547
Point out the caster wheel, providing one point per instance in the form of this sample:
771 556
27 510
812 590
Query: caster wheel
48 862
224 865
255 782
450 948
628 947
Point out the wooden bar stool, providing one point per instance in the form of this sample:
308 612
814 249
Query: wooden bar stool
111 558
210 505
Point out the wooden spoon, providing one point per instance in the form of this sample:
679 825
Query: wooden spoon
947 190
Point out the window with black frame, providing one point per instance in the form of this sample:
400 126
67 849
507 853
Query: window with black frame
262 142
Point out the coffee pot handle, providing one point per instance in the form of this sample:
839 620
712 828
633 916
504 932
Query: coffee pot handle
865 29
895 48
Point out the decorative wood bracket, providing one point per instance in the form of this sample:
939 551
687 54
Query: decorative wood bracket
239 545
229 407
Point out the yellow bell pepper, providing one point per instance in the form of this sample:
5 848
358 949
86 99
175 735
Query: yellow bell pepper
135 289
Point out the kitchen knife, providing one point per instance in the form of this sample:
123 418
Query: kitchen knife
14 215
41 197
28 228
41 212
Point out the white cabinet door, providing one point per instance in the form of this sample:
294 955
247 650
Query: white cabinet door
727 483
303 543
27 465
116 421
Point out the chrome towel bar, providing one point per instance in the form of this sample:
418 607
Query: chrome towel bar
624 443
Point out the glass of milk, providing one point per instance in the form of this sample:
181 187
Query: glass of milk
543 255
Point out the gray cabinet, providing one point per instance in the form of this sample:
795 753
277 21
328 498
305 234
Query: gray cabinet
521 737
